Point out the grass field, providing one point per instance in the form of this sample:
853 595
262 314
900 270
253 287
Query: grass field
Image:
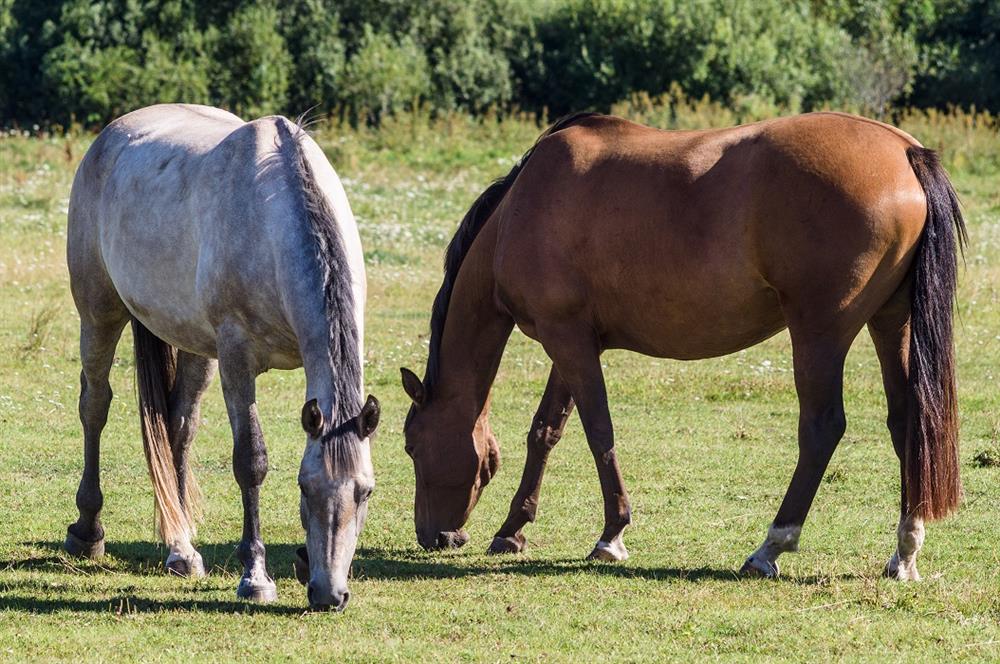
707 449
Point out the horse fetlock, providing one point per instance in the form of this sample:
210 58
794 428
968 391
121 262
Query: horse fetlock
909 540
251 553
910 536
783 538
84 545
764 561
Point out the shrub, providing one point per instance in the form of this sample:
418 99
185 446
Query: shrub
385 76
251 64
312 33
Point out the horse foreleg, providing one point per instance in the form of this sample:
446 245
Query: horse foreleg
819 370
238 374
194 373
575 351
546 430
85 538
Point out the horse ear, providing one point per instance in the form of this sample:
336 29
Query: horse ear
312 419
413 386
368 419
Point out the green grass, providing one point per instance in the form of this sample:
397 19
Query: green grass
707 449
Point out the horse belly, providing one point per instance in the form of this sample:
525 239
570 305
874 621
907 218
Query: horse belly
707 320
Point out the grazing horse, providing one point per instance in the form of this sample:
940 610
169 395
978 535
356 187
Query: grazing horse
225 243
687 245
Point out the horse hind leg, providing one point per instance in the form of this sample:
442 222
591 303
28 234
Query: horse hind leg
99 337
194 374
890 330
819 369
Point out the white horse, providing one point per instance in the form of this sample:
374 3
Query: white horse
231 243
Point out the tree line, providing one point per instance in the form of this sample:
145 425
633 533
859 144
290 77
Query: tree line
87 61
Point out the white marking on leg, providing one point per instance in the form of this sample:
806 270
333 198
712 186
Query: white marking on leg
909 539
779 540
613 551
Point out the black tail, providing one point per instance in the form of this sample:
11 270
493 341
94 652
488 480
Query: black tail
460 244
933 487
155 370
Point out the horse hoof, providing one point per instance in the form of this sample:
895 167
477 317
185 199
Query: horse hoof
301 565
190 566
501 545
901 572
257 590
762 569
81 548
612 552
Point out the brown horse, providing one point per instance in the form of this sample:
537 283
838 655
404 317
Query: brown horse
687 245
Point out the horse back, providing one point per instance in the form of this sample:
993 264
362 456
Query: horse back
194 217
715 236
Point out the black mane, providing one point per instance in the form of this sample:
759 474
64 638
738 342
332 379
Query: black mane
473 222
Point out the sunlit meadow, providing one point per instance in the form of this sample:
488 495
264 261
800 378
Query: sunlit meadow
707 449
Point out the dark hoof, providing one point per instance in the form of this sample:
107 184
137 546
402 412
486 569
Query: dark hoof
81 548
513 544
257 590
301 565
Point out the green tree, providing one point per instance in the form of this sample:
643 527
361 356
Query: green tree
312 33
252 66
385 76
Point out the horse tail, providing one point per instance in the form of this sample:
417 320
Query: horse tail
473 221
932 484
155 371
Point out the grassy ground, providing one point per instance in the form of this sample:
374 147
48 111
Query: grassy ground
707 449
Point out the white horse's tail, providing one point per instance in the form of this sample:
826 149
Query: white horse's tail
155 371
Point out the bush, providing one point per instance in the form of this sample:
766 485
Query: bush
385 76
251 64
369 58
312 33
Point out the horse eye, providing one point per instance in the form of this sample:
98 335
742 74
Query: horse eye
366 494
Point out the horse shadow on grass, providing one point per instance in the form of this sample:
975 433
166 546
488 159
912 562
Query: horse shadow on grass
146 559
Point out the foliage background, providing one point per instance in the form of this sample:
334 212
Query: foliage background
88 61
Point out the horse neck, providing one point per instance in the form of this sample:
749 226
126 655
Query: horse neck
475 334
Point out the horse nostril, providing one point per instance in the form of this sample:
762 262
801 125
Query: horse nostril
344 599
309 593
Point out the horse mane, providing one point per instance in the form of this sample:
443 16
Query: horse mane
472 223
338 296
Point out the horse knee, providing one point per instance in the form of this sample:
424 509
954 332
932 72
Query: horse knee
823 427
543 437
95 401
250 468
